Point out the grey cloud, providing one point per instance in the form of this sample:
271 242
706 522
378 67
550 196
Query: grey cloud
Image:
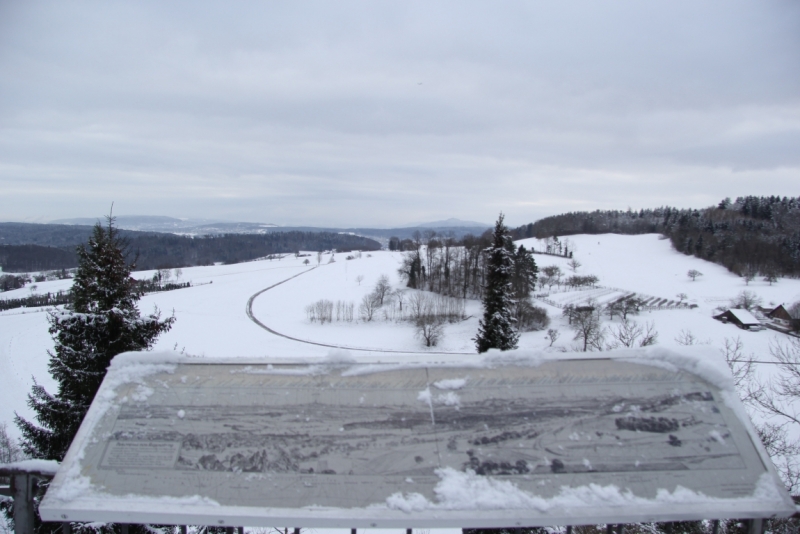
359 113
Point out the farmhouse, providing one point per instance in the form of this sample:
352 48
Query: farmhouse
741 318
781 318
780 315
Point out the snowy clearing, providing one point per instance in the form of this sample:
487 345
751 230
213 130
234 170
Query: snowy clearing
212 316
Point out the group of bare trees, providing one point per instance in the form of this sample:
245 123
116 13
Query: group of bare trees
586 322
552 275
427 312
322 311
459 269
451 267
776 400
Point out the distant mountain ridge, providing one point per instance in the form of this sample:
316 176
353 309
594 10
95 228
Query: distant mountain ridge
452 222
143 223
202 227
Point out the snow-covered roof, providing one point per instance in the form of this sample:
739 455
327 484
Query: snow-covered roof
744 316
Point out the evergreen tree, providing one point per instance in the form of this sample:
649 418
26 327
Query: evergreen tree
525 273
101 322
496 329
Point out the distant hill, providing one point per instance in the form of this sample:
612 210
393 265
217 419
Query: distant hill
28 258
26 247
751 236
146 223
453 223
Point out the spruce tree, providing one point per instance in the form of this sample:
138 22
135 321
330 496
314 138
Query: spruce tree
496 329
525 273
101 322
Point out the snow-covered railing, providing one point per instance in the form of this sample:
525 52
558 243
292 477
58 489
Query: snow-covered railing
24 478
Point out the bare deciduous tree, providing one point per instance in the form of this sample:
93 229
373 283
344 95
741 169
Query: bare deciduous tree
686 338
369 305
749 273
631 334
429 329
574 265
779 401
9 450
588 328
741 367
552 334
693 274
746 300
360 278
382 288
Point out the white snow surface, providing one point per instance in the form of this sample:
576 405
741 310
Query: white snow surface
212 321
45 467
451 383
457 490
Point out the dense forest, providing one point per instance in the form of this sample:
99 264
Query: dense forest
29 258
159 251
751 236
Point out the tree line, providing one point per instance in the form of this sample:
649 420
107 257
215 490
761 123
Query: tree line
751 236
158 251
463 268
459 267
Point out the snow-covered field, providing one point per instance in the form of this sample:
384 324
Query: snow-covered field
212 317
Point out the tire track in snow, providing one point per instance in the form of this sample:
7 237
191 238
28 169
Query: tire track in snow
249 311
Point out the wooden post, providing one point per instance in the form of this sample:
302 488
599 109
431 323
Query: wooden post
569 529
715 526
755 526
124 528
23 488
66 528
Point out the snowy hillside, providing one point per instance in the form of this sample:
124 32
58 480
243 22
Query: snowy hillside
212 317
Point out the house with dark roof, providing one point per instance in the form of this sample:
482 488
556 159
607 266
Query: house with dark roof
781 317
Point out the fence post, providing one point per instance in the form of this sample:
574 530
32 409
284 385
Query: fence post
755 526
23 488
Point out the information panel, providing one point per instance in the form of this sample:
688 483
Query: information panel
564 442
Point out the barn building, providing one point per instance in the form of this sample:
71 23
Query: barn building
741 318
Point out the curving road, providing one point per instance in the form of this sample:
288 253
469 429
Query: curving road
249 311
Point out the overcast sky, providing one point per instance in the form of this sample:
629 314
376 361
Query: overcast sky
383 113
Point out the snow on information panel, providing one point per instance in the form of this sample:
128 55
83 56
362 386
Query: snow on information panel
497 442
